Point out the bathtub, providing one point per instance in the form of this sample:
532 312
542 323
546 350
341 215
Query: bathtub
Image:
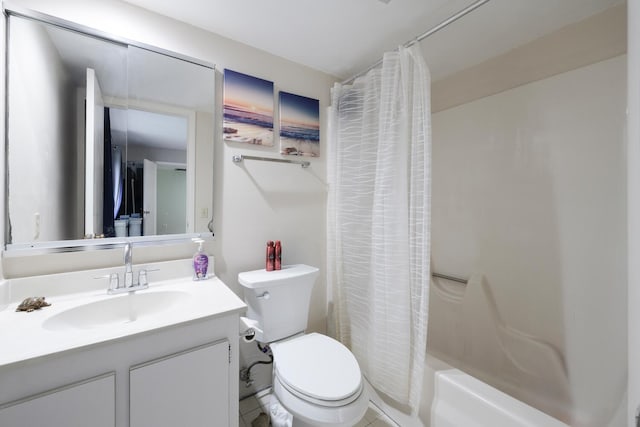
462 400
452 398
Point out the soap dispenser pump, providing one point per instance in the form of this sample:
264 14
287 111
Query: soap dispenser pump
200 262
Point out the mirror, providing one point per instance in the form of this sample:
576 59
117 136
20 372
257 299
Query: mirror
101 138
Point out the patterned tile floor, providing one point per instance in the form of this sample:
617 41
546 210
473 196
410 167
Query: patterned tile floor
252 406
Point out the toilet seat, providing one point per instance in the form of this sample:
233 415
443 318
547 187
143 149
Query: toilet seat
317 401
318 369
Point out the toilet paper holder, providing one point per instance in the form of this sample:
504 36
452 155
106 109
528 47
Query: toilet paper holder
248 329
248 335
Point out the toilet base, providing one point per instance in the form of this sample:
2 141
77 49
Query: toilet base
306 414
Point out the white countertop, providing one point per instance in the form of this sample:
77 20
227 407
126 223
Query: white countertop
23 335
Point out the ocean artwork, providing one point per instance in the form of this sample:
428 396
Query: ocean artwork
248 109
299 125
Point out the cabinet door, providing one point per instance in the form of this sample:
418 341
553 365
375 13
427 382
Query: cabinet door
186 389
88 403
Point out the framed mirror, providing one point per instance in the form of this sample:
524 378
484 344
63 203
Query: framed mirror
101 138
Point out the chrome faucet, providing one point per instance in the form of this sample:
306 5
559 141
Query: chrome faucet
128 285
128 269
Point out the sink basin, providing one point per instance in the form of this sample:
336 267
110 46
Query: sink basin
116 310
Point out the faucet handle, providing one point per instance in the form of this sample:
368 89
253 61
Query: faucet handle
114 281
142 278
128 279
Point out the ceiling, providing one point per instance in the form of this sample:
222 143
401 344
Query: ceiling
149 129
343 38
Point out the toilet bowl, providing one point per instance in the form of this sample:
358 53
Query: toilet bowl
316 378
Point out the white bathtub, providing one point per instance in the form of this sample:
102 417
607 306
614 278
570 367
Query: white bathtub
461 400
452 398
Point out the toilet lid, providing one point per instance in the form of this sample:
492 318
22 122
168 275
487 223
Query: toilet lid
317 366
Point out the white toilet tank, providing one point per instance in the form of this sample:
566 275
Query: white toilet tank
279 300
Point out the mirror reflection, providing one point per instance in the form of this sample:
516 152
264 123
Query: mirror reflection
101 137
155 173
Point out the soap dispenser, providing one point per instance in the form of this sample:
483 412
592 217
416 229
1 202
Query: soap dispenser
200 262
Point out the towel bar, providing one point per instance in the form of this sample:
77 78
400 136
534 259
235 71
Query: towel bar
238 158
447 277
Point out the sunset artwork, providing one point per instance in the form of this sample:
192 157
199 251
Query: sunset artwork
299 125
248 109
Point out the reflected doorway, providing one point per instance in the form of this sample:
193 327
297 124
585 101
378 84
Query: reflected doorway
154 181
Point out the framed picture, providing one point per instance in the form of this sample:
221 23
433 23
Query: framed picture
299 125
248 109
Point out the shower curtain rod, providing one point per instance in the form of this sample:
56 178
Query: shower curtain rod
426 34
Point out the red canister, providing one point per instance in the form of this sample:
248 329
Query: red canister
271 255
278 253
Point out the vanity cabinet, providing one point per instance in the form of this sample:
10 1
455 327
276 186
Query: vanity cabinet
176 364
185 375
190 388
90 402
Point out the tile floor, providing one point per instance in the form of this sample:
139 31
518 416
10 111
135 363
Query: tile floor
250 408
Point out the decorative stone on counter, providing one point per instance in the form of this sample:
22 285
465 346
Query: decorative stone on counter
32 303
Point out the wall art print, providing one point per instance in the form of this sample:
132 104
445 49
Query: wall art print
299 125
248 109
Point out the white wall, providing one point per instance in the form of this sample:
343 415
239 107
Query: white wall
529 197
4 288
205 131
40 106
138 153
596 38
253 202
633 192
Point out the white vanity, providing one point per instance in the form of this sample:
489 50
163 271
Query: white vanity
164 356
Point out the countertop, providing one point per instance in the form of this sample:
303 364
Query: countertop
28 335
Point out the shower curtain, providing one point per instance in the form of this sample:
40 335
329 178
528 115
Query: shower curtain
378 256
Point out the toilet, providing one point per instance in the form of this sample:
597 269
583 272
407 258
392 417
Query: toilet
316 378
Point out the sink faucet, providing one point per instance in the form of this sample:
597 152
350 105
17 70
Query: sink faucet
128 286
128 269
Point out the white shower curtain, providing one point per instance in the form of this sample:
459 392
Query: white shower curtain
379 159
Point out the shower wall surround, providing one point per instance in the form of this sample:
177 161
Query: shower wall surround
529 201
